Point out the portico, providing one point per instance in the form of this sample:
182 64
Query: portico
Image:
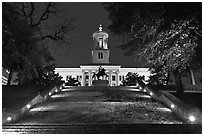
111 71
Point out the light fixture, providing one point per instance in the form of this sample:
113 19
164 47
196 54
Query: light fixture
145 90
172 106
192 118
28 105
151 93
56 90
50 93
9 119
140 88
137 85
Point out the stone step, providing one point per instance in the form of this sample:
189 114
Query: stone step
105 129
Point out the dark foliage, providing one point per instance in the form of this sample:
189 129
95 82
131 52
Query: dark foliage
131 79
167 36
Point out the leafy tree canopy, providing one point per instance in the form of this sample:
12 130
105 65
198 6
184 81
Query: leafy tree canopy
166 35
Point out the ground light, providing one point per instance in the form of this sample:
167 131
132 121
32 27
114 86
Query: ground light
172 106
50 93
192 118
28 105
137 84
144 90
151 93
57 90
9 119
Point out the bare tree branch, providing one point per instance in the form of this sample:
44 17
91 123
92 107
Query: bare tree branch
45 15
31 12
59 33
23 10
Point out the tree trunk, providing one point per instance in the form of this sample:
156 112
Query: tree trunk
192 77
19 78
178 82
9 78
167 79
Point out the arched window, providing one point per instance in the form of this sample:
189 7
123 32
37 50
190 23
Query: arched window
100 42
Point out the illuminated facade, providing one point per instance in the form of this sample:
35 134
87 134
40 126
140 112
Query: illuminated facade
100 57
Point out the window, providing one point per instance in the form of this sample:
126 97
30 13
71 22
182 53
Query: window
113 78
120 78
87 77
100 55
100 42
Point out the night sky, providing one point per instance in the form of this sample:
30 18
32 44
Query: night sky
88 17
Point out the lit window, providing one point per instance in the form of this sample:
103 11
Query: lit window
100 42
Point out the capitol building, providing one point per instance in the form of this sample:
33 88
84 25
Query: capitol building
100 58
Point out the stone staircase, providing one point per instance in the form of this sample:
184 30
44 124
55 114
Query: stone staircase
105 129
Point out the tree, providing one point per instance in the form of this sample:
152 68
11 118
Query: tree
23 48
131 79
47 79
166 35
72 82
158 76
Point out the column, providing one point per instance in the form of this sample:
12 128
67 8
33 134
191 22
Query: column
90 78
110 78
116 78
83 79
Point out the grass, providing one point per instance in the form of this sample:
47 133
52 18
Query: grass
15 97
192 99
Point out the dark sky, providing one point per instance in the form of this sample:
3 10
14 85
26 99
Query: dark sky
88 17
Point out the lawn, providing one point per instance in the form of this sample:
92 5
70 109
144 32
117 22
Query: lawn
15 97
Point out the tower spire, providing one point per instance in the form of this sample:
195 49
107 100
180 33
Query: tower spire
100 29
